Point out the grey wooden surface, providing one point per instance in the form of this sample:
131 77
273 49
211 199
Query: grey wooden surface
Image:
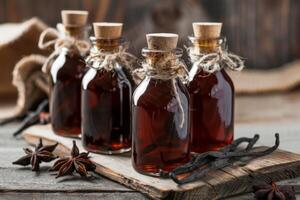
264 115
20 182
16 182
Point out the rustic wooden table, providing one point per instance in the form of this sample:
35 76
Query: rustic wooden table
265 114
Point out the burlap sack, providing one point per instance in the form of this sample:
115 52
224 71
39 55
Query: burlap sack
31 83
17 41
21 70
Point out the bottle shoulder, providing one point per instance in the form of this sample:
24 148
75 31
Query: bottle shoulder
106 80
65 66
203 82
152 92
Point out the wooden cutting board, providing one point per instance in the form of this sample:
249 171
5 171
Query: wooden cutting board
220 183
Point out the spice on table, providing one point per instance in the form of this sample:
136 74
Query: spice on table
40 154
272 191
78 162
229 155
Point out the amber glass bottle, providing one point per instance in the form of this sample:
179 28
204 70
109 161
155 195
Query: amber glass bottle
160 112
66 74
106 94
211 94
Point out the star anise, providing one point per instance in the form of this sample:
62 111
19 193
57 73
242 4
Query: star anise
272 191
40 154
78 162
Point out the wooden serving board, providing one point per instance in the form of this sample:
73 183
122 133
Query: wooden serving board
220 183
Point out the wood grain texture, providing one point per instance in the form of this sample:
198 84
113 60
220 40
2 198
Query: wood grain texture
18 182
72 196
265 114
218 184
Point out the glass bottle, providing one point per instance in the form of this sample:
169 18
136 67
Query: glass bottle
106 94
66 74
211 94
161 139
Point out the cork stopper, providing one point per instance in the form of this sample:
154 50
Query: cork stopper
74 17
108 30
162 41
207 30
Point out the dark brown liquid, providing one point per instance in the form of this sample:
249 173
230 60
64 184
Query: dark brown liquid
159 142
65 101
212 111
106 111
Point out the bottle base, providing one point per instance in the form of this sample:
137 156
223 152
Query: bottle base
108 152
67 134
161 174
206 148
154 171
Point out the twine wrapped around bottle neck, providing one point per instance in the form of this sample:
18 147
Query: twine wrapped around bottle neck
169 67
165 68
73 45
215 61
107 60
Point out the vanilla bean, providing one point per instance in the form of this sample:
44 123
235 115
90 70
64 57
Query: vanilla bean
213 160
32 118
252 142
206 157
233 146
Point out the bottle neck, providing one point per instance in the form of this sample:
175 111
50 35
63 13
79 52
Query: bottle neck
164 65
205 46
107 45
76 32
153 57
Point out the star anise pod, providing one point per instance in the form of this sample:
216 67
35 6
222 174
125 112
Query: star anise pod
272 191
78 162
40 154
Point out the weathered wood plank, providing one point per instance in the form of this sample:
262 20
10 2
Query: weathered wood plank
73 196
22 179
117 168
217 184
18 179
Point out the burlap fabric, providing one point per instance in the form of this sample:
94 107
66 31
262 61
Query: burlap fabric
21 61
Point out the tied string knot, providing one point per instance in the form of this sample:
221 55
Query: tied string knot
212 62
99 59
167 68
73 45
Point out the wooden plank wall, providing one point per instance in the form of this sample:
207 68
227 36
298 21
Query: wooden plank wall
266 32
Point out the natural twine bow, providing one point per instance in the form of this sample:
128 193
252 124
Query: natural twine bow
73 45
99 59
168 68
213 62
